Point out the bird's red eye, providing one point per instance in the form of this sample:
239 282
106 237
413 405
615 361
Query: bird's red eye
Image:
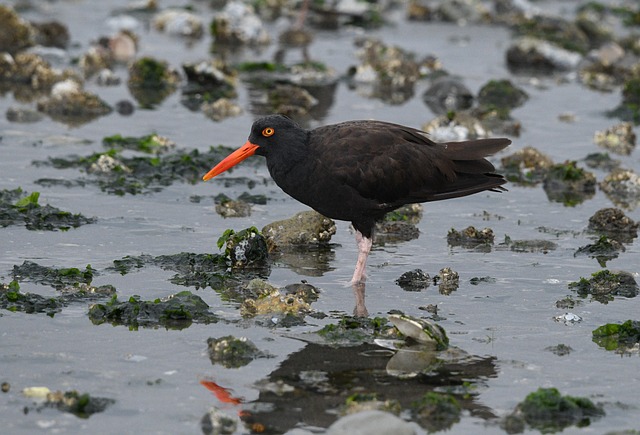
268 132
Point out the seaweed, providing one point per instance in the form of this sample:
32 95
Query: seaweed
178 311
16 207
618 337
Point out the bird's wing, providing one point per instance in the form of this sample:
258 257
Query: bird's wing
395 165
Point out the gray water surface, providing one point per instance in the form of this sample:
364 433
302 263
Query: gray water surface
154 374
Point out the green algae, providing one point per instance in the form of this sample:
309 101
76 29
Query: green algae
178 311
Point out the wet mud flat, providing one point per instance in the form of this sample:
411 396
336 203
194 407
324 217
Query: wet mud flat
134 297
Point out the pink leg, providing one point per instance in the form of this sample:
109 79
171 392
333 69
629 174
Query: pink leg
364 246
360 309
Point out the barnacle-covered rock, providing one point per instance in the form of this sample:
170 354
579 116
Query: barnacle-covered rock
16 34
532 54
455 126
70 104
220 109
385 72
238 24
471 237
526 166
303 229
622 187
613 223
178 22
619 139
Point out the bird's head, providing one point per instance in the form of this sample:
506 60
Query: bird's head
266 134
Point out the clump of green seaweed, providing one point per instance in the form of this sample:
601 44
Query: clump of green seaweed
621 338
16 207
178 311
549 411
118 174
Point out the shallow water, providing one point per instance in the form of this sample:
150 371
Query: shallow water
154 375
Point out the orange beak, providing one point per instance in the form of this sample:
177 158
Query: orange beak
246 150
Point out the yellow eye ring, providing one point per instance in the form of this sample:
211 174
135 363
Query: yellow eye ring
268 132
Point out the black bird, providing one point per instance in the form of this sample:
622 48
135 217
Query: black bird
358 171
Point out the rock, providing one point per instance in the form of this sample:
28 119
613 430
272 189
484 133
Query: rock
448 280
232 352
70 104
455 127
109 51
437 411
221 109
51 34
623 338
569 184
305 228
447 94
619 139
245 249
547 410
229 208
290 100
532 54
177 311
151 81
414 280
622 187
501 95
238 24
217 422
385 72
106 77
32 71
276 303
613 223
463 11
179 23
395 231
526 166
556 30
17 34
210 86
371 422
604 285
470 237
607 67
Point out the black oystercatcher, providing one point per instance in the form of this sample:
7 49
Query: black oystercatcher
358 171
